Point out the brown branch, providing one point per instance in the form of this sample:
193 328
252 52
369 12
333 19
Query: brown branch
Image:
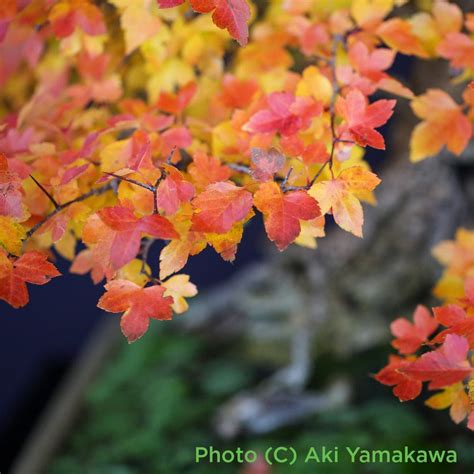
93 192
131 181
50 197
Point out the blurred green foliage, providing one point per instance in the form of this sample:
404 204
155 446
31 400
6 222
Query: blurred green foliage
154 404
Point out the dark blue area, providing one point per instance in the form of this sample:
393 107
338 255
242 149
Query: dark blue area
40 340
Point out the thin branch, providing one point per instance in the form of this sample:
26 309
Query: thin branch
131 181
239 168
285 181
50 197
93 192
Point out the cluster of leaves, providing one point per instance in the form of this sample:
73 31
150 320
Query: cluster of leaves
445 337
129 122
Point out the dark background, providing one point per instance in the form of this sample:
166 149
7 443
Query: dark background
41 340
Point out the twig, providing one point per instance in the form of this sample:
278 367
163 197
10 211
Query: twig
93 192
239 168
50 197
132 181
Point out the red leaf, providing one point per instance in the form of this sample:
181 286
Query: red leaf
285 114
32 267
176 103
458 322
362 118
169 3
232 15
207 169
282 212
10 190
219 207
404 387
173 191
410 337
442 367
119 241
266 163
138 305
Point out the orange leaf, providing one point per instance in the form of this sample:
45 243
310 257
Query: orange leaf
138 305
282 212
341 196
219 207
32 267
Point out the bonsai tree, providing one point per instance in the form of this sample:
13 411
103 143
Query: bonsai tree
128 124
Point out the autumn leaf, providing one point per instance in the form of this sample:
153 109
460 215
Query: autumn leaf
341 196
176 103
410 337
282 212
459 49
32 267
232 15
445 366
66 15
11 235
11 195
206 169
443 124
453 397
137 304
219 207
362 118
404 386
457 321
179 288
173 191
286 114
266 163
173 257
399 35
119 241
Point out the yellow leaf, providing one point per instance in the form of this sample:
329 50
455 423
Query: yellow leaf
341 196
179 287
11 235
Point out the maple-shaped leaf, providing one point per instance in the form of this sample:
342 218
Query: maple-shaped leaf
399 35
66 15
137 21
456 320
179 288
444 124
119 242
445 366
231 15
176 103
219 207
266 163
11 235
137 304
237 93
84 262
173 190
459 49
363 118
206 169
341 196
286 114
11 193
410 337
282 212
173 257
404 387
32 267
455 398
